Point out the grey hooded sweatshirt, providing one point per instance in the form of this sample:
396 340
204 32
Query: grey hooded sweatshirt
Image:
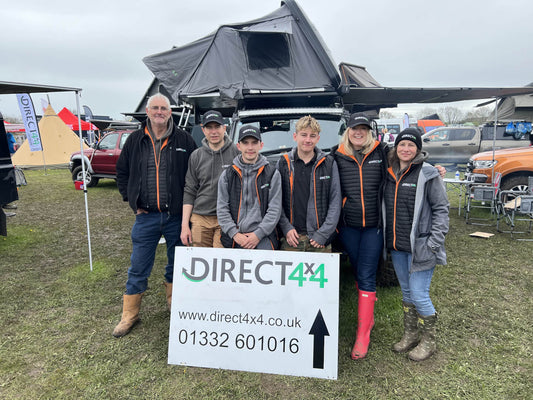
205 167
250 219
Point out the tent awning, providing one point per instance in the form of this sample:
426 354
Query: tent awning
16 87
398 95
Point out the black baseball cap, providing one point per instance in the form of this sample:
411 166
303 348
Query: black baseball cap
359 119
212 116
249 131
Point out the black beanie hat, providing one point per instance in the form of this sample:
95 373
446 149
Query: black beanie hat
411 134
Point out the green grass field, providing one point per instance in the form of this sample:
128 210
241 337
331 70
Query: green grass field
57 316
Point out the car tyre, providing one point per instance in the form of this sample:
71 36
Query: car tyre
516 184
90 180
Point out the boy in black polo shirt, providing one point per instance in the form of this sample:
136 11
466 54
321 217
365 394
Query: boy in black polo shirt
311 195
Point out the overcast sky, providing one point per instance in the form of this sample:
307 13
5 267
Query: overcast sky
99 45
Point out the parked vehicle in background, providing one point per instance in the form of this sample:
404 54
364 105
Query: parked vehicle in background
388 128
455 145
427 125
100 160
277 126
515 165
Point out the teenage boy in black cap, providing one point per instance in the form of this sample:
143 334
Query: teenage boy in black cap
311 192
249 197
201 183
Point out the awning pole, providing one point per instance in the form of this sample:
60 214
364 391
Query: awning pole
84 180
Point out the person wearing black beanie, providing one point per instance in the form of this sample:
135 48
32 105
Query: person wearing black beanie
416 223
412 134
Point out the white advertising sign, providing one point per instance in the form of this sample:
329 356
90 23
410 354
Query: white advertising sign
255 310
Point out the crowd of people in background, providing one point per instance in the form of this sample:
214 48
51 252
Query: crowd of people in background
226 195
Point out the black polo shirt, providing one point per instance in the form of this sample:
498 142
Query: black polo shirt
301 192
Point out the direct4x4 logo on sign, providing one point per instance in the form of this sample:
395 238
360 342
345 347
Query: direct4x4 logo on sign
247 271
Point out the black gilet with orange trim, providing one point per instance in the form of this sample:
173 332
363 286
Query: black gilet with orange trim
362 186
320 188
400 196
155 197
262 190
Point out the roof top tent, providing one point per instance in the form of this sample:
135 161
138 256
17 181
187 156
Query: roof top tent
276 58
516 108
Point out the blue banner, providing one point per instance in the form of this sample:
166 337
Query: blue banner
30 121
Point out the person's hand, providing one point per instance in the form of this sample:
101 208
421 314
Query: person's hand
251 241
315 244
292 238
186 235
240 239
442 170
141 211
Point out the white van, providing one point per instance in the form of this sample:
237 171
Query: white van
389 128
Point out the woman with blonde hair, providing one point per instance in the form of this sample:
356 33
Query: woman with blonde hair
362 163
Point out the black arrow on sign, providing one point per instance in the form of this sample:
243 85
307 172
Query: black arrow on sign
318 330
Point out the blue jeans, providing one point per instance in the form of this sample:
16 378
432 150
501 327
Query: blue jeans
364 246
415 285
145 234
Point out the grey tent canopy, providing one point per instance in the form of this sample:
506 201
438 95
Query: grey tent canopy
516 108
281 52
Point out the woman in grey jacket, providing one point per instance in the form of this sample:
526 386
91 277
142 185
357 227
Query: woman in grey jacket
416 222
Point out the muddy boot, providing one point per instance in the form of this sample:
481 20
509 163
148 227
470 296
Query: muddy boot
410 330
365 316
168 291
130 314
428 344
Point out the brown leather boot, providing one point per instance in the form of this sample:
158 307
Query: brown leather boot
130 314
168 290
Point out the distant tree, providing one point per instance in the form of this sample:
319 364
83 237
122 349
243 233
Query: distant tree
479 115
386 114
13 120
451 115
424 112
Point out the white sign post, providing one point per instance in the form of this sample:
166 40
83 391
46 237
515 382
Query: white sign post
255 310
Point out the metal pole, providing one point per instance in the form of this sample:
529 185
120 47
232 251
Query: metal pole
84 180
494 137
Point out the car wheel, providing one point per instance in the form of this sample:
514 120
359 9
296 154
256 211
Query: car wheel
515 184
90 180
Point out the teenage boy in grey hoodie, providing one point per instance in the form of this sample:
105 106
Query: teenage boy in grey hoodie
200 194
249 197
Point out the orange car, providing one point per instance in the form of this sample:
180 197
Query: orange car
515 165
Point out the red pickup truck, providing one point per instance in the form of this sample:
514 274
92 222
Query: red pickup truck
100 160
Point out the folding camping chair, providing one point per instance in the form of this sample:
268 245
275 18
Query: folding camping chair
482 196
516 209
